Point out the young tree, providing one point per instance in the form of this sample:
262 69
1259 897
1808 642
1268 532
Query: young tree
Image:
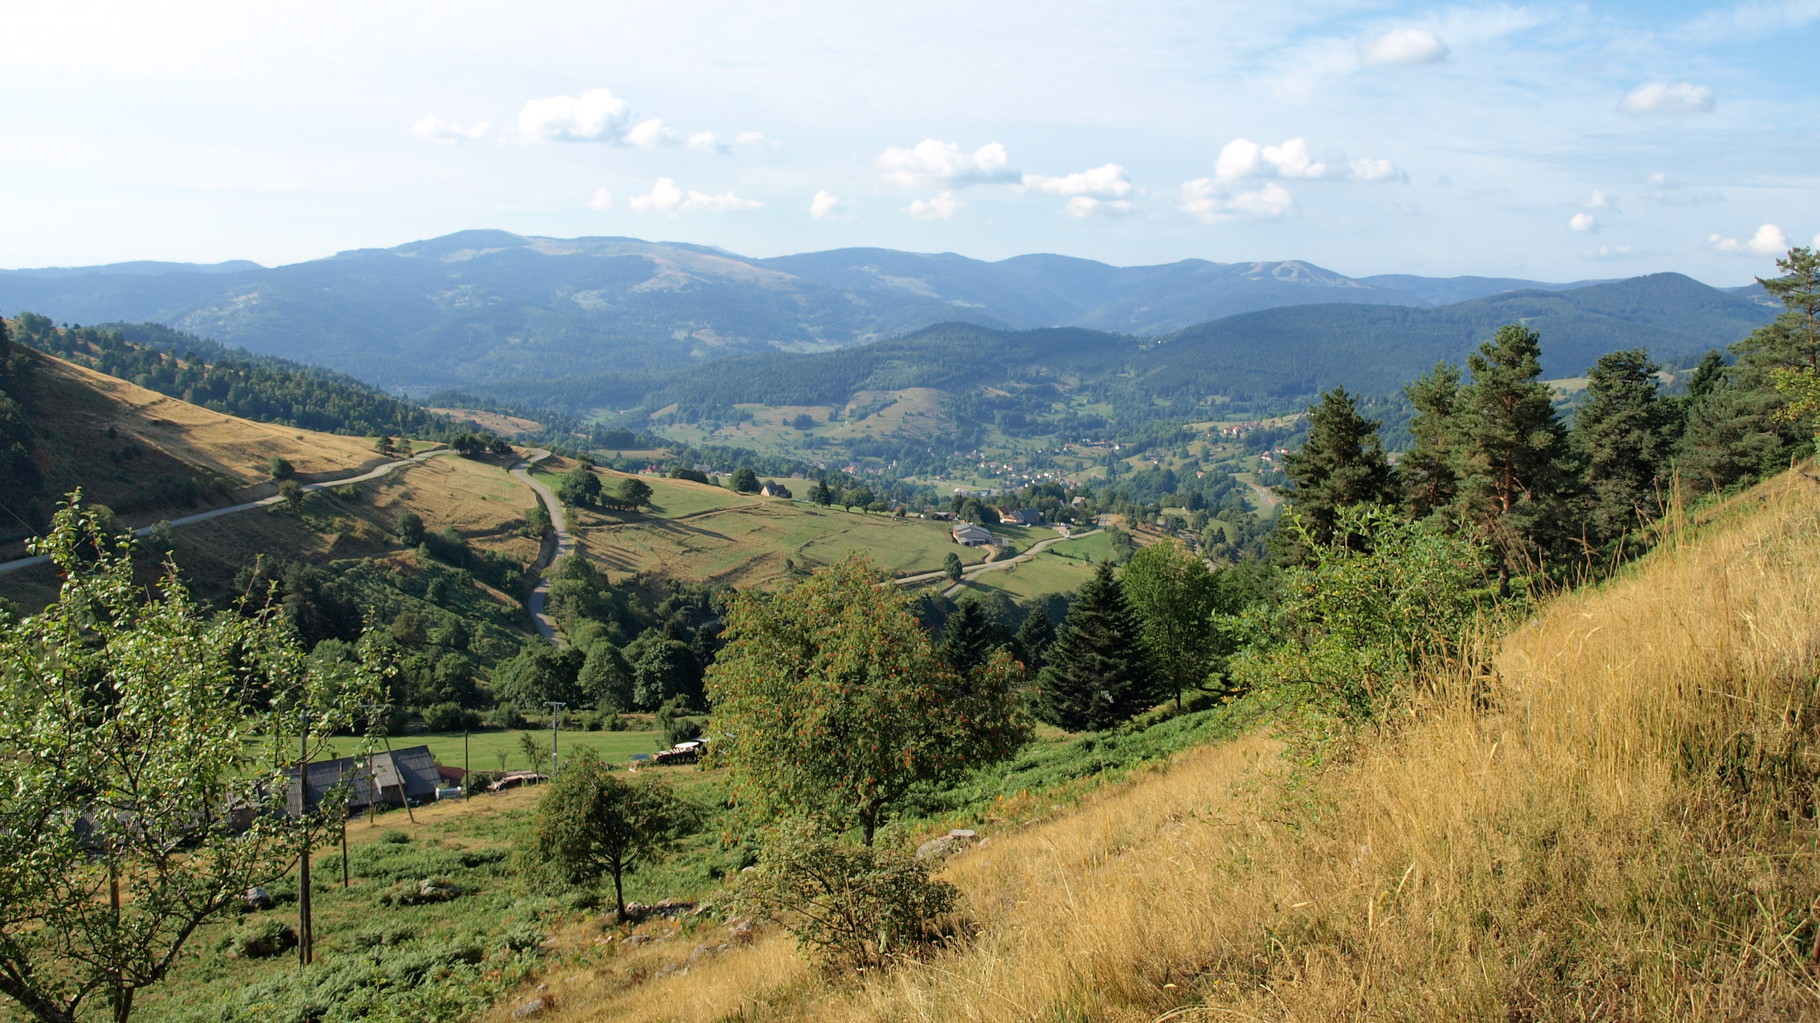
1427 467
128 726
1789 348
952 567
835 704
744 480
1099 671
1341 464
1175 597
590 823
970 637
1623 433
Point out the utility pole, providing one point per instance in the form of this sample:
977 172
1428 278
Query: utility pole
555 760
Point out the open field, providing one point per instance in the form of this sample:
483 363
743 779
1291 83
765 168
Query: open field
705 533
484 748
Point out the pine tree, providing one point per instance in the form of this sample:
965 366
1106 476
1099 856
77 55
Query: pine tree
968 638
1034 638
1099 671
1427 468
1341 464
1510 478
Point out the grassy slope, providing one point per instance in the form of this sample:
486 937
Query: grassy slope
1614 822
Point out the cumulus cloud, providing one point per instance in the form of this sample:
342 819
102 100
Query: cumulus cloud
1585 222
436 129
933 162
751 138
1212 203
828 206
1599 199
1768 241
595 116
651 134
707 141
1242 159
1108 181
602 201
668 198
1676 98
939 207
1404 46
1083 206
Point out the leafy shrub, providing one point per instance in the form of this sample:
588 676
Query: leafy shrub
263 939
393 836
850 906
450 717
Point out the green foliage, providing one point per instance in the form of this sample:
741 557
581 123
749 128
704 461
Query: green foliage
590 824
834 705
126 722
1342 463
854 907
744 480
1098 671
1353 628
280 468
263 939
952 567
633 492
579 487
1175 597
1510 449
410 527
1624 434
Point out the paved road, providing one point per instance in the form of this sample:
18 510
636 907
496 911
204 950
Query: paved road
991 566
371 474
564 545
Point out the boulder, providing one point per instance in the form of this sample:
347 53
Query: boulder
943 846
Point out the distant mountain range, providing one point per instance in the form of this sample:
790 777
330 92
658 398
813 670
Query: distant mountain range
481 307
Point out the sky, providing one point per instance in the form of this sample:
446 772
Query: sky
1551 141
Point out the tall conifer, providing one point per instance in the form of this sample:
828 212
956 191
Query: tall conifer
1099 672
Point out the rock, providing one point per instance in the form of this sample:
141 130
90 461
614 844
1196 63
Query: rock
947 845
533 1008
258 898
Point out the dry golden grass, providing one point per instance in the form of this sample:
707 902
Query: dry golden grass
1616 824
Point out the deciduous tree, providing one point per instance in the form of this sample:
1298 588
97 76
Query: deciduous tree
834 704
591 823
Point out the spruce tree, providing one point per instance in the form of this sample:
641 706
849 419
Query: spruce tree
1098 672
1427 468
1341 464
1622 432
1034 638
968 638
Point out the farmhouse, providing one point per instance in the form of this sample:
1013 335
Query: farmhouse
969 535
385 778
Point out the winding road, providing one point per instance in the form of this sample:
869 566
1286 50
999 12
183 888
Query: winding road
564 545
991 566
371 474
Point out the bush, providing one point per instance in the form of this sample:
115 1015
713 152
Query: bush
264 939
450 717
850 906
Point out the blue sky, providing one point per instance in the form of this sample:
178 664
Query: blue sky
1552 141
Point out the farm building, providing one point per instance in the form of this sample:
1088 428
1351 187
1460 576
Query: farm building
384 778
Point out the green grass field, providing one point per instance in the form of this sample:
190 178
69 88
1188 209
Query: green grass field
484 748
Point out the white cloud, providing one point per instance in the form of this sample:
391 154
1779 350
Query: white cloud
1242 159
436 129
1768 241
595 116
707 141
939 207
1106 183
1668 98
1599 199
828 206
1751 20
1607 252
651 134
934 162
1585 222
1209 201
668 198
1404 46
750 138
1083 206
602 201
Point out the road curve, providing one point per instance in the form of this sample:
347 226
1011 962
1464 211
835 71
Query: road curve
991 566
371 474
563 546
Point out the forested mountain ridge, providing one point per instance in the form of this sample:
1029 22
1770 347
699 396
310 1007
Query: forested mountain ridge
477 307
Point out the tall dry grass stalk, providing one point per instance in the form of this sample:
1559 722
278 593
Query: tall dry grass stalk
1618 825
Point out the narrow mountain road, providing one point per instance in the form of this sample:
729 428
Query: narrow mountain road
371 474
969 571
564 544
